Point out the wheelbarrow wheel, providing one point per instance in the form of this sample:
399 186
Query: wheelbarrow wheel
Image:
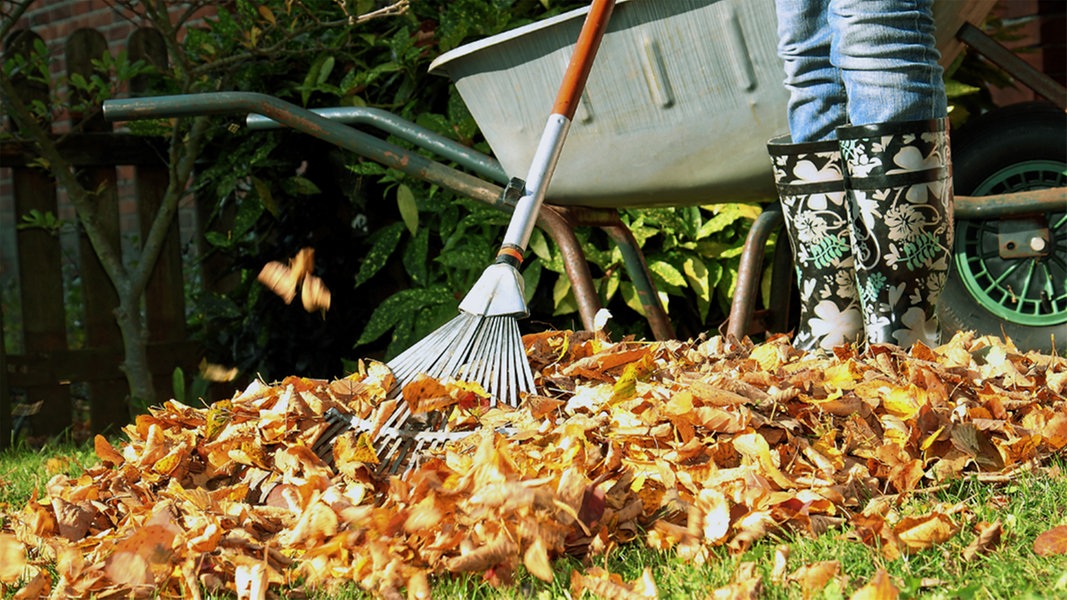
997 285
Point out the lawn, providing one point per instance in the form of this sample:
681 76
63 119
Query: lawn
665 470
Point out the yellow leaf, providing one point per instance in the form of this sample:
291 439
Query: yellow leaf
12 558
536 560
267 14
919 533
754 447
767 356
842 376
904 402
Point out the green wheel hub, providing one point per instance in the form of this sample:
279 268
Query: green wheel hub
1029 291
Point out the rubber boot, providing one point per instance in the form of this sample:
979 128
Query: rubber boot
898 177
811 188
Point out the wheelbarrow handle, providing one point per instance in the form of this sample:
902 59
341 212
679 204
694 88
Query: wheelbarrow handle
291 115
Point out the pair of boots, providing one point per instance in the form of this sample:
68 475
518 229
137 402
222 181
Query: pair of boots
869 217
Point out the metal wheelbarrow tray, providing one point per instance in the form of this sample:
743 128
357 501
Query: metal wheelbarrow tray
677 110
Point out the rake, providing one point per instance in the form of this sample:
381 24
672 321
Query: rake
483 344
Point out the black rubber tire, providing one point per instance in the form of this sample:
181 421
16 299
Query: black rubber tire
995 141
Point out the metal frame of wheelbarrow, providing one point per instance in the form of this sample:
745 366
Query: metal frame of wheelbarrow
559 222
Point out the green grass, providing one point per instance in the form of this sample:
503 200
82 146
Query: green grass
1028 505
24 469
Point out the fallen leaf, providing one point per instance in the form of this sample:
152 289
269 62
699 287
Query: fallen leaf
987 539
813 577
537 562
880 587
919 533
12 558
1052 542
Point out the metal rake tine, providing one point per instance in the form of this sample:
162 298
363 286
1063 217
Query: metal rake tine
391 457
408 364
457 353
492 371
517 368
339 423
480 357
399 416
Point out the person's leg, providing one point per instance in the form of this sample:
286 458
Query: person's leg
900 195
816 92
898 172
887 56
811 188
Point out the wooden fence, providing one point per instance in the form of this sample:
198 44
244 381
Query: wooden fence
42 375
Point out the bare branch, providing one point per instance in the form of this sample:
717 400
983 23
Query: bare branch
9 21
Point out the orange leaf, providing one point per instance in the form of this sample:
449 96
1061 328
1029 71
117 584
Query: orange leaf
988 537
814 577
754 447
106 452
1052 542
314 294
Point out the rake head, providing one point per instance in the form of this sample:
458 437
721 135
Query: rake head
482 345
487 350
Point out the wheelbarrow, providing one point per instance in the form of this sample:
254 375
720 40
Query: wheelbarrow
685 94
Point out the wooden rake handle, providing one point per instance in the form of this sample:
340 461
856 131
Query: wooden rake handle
570 92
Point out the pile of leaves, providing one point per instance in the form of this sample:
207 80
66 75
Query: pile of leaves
683 446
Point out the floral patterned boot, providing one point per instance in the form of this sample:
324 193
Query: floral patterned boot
811 188
898 177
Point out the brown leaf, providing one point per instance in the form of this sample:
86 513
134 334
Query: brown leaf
37 586
1056 431
536 560
746 584
314 294
969 439
496 552
987 539
880 587
73 519
279 279
1052 542
106 452
919 533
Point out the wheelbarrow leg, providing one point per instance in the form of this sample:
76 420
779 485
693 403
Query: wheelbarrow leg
633 259
782 286
637 269
556 222
748 272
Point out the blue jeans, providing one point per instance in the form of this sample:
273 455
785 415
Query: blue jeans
858 62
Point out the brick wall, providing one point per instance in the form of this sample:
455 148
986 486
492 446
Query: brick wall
1041 26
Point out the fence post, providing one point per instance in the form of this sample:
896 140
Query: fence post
40 267
165 293
5 393
108 403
